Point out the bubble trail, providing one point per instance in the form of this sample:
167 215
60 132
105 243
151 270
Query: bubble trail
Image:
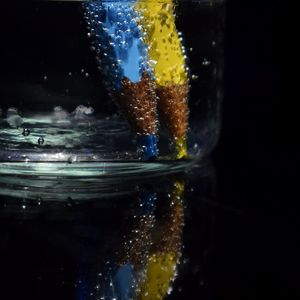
122 54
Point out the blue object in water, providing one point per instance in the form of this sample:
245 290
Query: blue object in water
148 143
118 41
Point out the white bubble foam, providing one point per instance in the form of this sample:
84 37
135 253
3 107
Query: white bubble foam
15 121
60 114
82 112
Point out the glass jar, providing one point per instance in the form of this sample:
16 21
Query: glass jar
101 87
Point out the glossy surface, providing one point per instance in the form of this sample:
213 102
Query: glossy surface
124 240
237 241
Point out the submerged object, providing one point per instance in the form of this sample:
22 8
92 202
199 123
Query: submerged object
123 59
141 56
170 70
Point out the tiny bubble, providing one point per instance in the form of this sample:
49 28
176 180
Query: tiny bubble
26 132
206 62
69 202
41 141
45 77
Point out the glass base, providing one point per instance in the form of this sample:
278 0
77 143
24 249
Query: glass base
41 182
58 144
93 169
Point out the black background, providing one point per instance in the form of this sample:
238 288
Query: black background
257 159
258 155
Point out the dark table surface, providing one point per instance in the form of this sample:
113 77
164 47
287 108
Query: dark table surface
239 238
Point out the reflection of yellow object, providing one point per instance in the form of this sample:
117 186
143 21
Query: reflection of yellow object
165 48
178 192
162 263
160 273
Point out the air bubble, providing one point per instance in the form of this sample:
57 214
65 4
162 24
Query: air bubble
72 159
69 202
41 141
206 62
26 132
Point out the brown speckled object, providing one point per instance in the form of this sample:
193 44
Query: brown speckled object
173 106
138 102
168 235
138 241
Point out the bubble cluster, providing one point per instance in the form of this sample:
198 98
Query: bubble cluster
139 52
60 114
82 112
138 103
118 40
13 118
164 42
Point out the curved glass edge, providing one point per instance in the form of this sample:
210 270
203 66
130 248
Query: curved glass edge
61 188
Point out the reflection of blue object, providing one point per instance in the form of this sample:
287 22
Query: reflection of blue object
118 281
123 282
122 52
148 143
84 288
148 200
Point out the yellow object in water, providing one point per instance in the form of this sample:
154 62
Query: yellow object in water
181 148
165 48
